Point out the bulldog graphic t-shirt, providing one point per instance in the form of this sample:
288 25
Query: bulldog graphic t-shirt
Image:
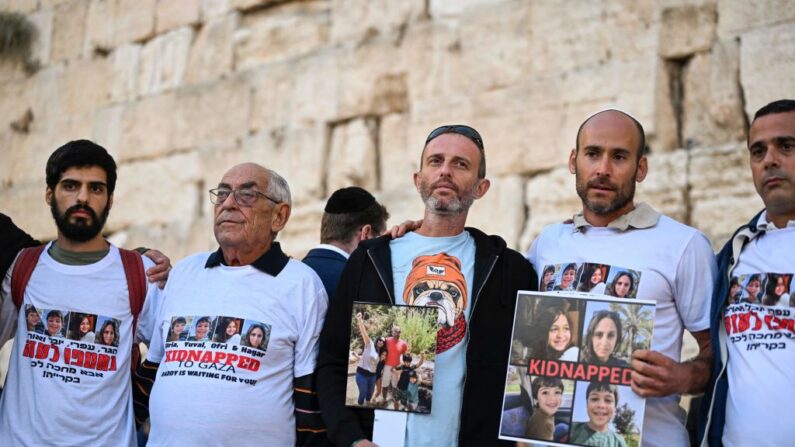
438 272
760 328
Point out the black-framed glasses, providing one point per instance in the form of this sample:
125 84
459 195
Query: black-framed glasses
243 197
460 129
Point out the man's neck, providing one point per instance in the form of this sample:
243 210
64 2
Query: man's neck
347 248
98 243
780 220
442 225
237 256
603 220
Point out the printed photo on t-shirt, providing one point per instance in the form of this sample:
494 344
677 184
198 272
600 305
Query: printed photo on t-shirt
561 277
547 327
33 319
201 329
54 322
256 335
391 360
81 327
227 330
591 278
768 289
178 328
622 282
536 407
108 334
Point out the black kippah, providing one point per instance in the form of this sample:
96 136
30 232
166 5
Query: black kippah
349 200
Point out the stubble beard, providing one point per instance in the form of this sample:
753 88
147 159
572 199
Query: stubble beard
624 194
452 206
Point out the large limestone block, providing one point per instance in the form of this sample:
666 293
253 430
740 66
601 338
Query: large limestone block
171 14
157 191
243 5
283 32
211 114
148 127
737 16
665 186
302 232
214 8
68 30
687 29
359 20
434 47
107 128
21 6
134 20
369 86
86 85
722 191
126 72
177 239
767 60
550 198
211 53
163 61
402 204
353 156
296 153
713 108
100 26
301 91
25 204
502 210
43 21
398 160
445 8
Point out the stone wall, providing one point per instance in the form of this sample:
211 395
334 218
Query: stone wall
334 93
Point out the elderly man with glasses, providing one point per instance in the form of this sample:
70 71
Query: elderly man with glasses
247 397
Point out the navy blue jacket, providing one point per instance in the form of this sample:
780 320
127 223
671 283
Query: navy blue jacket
713 407
328 265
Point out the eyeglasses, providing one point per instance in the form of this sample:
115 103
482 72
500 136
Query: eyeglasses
460 129
243 197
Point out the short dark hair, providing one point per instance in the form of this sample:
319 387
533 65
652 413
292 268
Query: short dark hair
780 106
80 153
406 357
342 227
547 382
465 131
604 387
642 149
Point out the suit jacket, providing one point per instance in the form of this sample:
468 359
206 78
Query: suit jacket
328 265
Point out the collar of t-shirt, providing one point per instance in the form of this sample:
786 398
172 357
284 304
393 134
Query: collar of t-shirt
271 262
643 216
68 257
333 248
763 225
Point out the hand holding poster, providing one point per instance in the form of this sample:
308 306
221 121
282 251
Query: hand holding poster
569 376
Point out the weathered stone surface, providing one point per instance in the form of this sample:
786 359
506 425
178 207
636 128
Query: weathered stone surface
248 4
214 8
211 53
170 14
213 114
665 186
502 210
21 6
722 191
687 29
767 58
280 33
43 21
163 61
398 159
68 30
737 16
126 72
353 156
26 206
550 198
100 26
147 127
713 109
360 20
134 20
86 85
442 8
303 230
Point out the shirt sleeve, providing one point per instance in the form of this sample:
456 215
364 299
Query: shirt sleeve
696 274
148 316
314 312
8 310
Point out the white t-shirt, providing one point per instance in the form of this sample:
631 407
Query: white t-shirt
209 393
669 263
445 264
61 390
761 345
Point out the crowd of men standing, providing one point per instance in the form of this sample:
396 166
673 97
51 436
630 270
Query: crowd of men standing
250 347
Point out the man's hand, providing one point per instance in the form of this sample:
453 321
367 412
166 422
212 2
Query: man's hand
159 272
364 443
655 375
409 225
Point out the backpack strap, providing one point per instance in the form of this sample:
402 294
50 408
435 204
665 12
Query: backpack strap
136 286
23 269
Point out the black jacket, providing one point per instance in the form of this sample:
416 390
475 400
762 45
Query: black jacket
499 273
12 240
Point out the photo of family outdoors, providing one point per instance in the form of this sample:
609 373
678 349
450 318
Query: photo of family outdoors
391 357
569 378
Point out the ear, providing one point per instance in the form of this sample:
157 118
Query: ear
417 181
366 232
643 169
482 188
573 161
281 214
48 196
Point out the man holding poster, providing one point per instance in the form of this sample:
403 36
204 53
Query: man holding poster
471 279
640 253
